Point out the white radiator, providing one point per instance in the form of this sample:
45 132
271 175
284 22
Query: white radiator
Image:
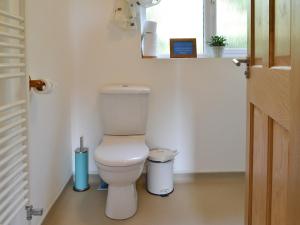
14 181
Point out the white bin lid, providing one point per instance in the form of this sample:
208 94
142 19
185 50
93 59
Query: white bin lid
162 155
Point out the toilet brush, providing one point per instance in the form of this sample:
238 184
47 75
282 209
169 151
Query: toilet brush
81 178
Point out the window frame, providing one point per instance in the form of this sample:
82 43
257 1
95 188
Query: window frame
209 29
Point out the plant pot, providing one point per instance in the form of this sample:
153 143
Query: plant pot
218 51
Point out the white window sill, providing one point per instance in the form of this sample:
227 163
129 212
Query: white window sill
228 54
201 57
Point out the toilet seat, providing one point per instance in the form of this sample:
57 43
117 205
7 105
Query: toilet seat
121 150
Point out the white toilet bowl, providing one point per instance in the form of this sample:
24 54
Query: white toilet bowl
120 161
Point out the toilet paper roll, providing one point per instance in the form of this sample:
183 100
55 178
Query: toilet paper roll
149 45
150 27
47 89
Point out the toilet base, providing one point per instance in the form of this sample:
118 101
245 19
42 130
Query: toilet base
121 202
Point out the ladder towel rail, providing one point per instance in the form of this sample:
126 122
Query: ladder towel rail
9 45
19 181
12 55
11 16
9 25
11 197
12 135
12 206
12 65
14 155
13 75
12 105
12 145
6 181
13 36
12 115
12 125
12 165
14 213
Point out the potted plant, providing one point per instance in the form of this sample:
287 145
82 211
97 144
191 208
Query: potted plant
218 44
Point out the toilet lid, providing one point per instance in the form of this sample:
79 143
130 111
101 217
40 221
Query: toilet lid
121 150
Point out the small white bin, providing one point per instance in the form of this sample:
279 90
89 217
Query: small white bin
160 172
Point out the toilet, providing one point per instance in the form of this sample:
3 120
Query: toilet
121 156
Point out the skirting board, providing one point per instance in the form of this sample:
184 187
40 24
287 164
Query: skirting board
188 177
193 177
46 211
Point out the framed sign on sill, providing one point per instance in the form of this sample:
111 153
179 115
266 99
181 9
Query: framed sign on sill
183 48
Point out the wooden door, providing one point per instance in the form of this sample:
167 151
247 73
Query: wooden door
273 106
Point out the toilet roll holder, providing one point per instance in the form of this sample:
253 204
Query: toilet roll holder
37 84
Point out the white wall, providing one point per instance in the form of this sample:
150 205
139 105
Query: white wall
197 106
48 57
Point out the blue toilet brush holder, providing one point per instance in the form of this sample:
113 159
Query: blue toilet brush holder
81 177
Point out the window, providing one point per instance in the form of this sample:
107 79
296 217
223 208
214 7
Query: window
232 22
201 19
177 19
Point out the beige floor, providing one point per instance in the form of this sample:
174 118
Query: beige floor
209 200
